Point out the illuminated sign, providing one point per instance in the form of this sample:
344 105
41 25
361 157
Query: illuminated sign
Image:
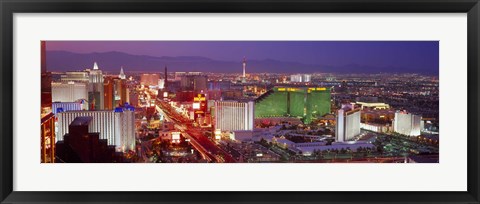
200 97
175 136
165 94
196 106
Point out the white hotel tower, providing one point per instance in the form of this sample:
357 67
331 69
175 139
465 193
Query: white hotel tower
348 123
118 126
233 115
407 123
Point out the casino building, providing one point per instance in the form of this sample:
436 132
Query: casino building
407 123
307 103
234 115
68 91
117 126
348 123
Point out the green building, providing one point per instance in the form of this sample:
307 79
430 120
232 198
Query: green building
307 103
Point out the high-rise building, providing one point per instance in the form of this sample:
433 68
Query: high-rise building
68 91
115 92
133 98
348 123
117 127
80 145
47 138
149 79
234 115
108 93
300 78
195 83
308 103
95 88
407 123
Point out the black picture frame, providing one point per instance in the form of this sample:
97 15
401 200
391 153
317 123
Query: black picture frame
10 7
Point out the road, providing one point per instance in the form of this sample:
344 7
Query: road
207 155
196 135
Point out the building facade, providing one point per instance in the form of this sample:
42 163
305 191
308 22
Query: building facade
407 123
301 78
95 88
68 91
307 103
69 106
348 123
195 83
81 145
47 138
79 76
149 79
234 115
117 126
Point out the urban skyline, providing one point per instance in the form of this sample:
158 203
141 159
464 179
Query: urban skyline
181 113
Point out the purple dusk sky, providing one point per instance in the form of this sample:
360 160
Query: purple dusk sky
420 55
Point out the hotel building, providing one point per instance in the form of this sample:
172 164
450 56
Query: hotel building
233 115
95 88
68 91
117 126
348 123
407 123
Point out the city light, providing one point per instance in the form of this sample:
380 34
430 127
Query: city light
218 106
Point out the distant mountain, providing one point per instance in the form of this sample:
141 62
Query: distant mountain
112 61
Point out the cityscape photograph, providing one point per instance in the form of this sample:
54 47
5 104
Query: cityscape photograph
239 102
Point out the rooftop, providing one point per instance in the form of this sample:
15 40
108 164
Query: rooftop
80 121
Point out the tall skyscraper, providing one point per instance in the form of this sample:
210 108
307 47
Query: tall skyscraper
115 92
234 115
308 103
117 126
95 89
407 123
348 123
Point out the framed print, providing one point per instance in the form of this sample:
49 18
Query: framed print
256 102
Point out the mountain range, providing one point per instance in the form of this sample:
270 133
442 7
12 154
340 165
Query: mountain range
112 61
